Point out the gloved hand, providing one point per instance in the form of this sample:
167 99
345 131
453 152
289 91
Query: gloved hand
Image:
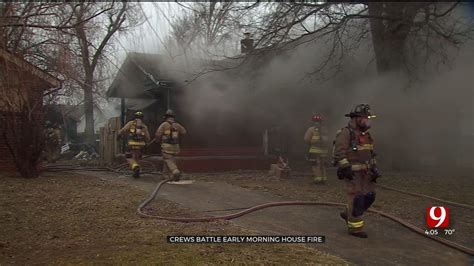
374 173
345 172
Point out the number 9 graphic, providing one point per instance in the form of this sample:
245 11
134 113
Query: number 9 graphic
437 218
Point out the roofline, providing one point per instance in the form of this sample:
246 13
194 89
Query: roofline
20 62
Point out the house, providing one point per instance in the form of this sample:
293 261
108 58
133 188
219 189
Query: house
21 111
282 101
219 141
72 119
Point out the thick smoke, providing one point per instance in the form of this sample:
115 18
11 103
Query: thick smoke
420 125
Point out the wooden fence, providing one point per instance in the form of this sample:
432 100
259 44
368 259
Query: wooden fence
109 145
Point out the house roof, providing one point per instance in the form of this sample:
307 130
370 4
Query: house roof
138 76
148 76
50 80
140 72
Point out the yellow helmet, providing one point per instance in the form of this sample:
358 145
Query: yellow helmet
138 114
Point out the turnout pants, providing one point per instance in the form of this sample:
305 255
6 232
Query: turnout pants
170 169
360 196
318 168
133 156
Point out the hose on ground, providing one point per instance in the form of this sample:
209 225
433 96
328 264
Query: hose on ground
462 205
428 197
245 211
420 231
404 223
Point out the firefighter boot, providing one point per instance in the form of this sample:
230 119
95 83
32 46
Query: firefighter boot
136 171
324 177
343 216
176 175
360 234
318 180
354 213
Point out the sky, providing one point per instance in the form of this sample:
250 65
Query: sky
150 36
147 37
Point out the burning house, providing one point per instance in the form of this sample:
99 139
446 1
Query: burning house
217 140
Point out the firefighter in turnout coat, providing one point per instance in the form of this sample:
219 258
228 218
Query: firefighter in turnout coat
137 138
354 155
52 142
317 152
169 134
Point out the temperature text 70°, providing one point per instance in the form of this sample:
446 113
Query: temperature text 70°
449 231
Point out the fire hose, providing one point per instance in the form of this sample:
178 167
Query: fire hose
462 205
140 209
428 197
413 228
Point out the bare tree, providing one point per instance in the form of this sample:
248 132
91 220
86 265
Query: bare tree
31 31
401 33
36 30
21 112
94 37
68 40
206 27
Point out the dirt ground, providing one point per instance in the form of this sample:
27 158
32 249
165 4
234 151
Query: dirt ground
77 219
410 208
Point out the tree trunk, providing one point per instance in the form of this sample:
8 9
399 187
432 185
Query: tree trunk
29 169
390 24
23 136
89 109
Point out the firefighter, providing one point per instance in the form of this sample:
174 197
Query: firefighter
52 142
354 155
316 138
137 138
169 134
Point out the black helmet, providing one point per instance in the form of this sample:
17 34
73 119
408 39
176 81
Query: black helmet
138 114
361 110
169 113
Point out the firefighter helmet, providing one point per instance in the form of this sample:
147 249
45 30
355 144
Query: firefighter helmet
316 118
169 113
138 115
361 110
